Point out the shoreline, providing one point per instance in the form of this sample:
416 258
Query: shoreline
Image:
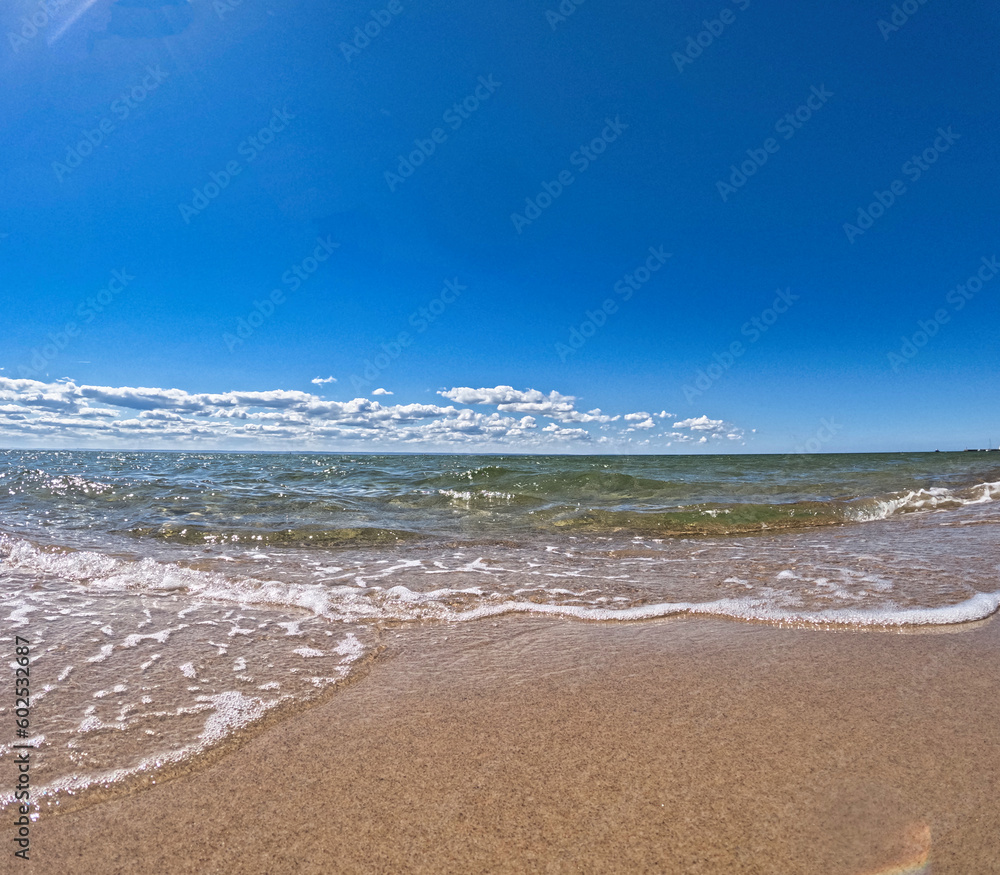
689 744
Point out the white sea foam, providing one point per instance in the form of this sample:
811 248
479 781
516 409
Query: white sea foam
139 700
104 654
230 710
978 607
404 601
935 498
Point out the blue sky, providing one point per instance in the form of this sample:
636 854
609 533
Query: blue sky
496 213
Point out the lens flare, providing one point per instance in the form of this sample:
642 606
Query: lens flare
917 855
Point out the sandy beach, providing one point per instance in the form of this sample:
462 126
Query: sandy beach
688 745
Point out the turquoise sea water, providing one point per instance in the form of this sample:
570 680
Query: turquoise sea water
172 598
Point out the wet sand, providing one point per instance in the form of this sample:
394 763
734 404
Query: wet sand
687 745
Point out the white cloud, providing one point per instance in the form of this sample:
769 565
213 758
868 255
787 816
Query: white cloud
382 392
34 413
511 400
566 433
701 423
639 420
594 415
319 381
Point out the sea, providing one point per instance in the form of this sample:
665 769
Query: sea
173 601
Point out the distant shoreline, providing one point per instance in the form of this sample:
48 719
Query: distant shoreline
484 454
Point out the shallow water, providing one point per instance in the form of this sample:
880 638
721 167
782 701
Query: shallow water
171 599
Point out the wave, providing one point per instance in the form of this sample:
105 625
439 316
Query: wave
41 483
715 519
384 502
369 598
706 519
932 499
977 607
256 537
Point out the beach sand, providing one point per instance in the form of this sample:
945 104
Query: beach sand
686 745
